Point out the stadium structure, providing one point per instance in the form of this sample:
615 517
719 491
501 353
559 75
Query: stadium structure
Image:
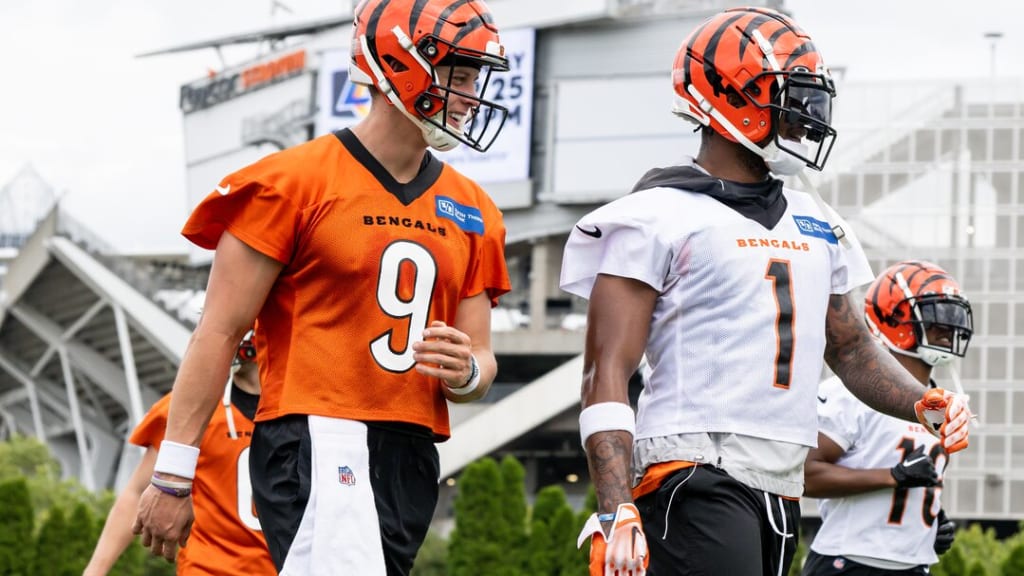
89 338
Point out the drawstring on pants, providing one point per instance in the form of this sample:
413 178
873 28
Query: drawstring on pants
771 520
672 497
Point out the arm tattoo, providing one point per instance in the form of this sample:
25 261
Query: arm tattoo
866 368
610 457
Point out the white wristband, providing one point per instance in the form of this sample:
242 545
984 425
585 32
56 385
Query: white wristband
474 380
177 459
605 417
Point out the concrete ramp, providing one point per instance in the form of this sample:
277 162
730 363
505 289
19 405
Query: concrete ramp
513 416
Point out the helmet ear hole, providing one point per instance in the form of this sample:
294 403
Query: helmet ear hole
395 64
734 98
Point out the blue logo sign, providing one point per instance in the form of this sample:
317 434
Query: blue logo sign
466 217
812 227
351 100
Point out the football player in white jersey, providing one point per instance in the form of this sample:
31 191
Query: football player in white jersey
879 477
736 289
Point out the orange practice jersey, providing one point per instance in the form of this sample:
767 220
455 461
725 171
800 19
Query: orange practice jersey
226 538
369 263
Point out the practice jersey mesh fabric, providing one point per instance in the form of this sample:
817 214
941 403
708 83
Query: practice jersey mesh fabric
896 525
738 331
368 264
226 539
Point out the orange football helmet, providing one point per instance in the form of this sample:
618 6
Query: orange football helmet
744 72
908 300
397 47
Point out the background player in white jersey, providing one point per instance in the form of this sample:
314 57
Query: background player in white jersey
879 477
735 288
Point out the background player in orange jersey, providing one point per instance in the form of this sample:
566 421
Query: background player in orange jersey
372 268
226 538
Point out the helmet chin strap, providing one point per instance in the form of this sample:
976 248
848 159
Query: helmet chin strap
435 136
226 401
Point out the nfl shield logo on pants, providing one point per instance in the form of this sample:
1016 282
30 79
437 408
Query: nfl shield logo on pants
346 476
839 563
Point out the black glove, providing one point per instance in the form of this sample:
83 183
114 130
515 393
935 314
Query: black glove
945 534
917 469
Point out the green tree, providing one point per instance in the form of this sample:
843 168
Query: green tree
28 458
24 457
432 559
131 561
539 554
476 544
549 500
1014 563
554 528
513 509
583 554
952 563
563 541
156 566
16 528
82 538
52 555
977 569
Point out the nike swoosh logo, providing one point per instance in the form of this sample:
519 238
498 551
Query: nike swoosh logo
224 189
822 400
915 461
595 233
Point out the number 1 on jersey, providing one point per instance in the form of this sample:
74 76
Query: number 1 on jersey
778 273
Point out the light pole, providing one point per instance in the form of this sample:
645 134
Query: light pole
993 39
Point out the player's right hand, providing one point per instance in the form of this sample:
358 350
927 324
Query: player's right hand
916 469
624 551
164 522
946 415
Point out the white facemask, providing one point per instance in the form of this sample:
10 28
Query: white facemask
783 163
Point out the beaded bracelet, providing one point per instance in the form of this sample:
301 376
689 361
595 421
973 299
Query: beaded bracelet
472 383
176 489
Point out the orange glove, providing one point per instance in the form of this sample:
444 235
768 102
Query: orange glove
946 415
624 552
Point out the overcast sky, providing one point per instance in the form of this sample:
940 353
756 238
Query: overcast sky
104 127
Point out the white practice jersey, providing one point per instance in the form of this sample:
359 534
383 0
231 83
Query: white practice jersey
897 525
738 333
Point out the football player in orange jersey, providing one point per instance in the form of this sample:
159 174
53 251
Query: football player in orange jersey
226 538
372 268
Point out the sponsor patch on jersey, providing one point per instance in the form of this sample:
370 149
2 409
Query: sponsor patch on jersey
466 217
346 476
813 227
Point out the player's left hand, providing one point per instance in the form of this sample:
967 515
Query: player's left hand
163 521
946 533
947 415
624 551
444 353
